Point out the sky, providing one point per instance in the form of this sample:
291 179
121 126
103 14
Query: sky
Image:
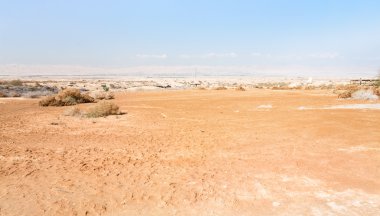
320 37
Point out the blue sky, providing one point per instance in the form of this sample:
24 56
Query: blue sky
311 34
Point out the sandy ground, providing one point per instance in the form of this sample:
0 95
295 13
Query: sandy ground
193 152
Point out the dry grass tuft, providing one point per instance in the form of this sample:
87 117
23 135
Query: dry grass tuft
346 94
240 88
376 91
347 87
221 88
67 97
11 82
15 82
73 111
104 96
102 109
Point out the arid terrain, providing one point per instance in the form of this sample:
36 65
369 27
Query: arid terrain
193 152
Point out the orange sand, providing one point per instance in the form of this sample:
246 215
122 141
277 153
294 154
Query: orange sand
192 153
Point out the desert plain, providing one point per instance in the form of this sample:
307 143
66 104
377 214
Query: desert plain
193 152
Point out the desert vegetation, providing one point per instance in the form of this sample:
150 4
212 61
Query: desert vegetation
105 95
356 92
67 97
221 88
18 88
240 88
102 109
73 111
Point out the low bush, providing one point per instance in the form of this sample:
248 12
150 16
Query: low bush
15 82
347 87
103 95
221 88
346 94
67 97
376 91
361 94
377 83
11 82
102 109
240 88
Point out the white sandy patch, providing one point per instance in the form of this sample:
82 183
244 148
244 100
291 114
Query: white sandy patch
355 106
14 158
358 149
265 106
337 208
347 106
313 195
143 88
261 191
304 108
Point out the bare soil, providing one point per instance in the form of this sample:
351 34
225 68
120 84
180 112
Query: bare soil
192 153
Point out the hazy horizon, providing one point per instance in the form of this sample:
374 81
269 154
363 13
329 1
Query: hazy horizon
284 38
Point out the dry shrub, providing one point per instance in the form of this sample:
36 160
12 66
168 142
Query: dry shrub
326 87
48 101
104 96
361 94
221 88
376 91
240 88
347 87
66 97
346 94
37 84
345 91
2 95
310 87
73 111
201 88
15 82
102 109
282 88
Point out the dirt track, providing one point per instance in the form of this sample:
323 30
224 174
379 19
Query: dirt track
192 153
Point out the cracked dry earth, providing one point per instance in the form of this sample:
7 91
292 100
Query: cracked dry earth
192 153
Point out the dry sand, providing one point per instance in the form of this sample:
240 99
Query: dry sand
192 152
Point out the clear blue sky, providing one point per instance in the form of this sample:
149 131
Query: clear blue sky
313 33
